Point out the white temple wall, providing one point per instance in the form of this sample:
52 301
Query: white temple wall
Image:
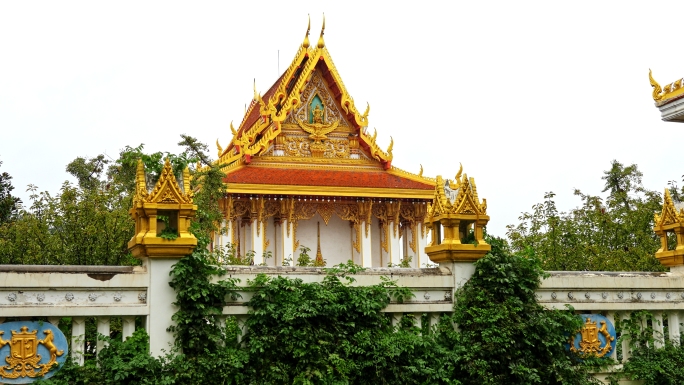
336 243
306 235
277 243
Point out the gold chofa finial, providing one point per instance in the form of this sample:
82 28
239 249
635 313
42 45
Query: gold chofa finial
657 91
321 43
458 174
306 37
219 148
420 173
255 92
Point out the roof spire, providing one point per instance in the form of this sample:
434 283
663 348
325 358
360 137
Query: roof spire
321 43
255 92
306 37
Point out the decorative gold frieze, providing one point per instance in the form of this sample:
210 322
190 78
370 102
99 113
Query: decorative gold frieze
301 147
393 213
326 211
365 214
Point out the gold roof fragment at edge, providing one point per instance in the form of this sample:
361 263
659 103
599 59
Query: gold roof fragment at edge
672 91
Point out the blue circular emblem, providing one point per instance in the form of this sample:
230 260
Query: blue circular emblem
595 338
30 350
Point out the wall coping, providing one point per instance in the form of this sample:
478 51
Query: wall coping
287 270
70 269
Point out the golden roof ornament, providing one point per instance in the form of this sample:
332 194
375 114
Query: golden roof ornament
656 87
668 215
456 218
664 95
321 43
670 220
140 184
219 148
167 210
305 44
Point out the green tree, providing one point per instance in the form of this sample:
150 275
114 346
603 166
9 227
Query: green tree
86 222
9 205
615 233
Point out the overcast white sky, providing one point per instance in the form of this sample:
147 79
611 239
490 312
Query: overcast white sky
531 96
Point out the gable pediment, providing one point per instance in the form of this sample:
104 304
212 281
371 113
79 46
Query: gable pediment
317 92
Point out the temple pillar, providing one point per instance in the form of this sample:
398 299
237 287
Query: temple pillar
395 253
158 255
365 221
422 236
257 229
227 234
286 247
366 253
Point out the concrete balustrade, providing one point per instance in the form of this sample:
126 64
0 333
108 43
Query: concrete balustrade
80 292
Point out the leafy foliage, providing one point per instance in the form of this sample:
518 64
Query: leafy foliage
9 205
609 234
334 332
505 336
649 363
86 223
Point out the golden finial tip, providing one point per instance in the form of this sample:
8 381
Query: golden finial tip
255 91
321 43
306 37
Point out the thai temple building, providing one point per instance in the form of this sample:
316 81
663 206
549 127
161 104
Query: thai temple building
303 170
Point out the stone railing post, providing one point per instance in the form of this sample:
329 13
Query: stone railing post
456 218
162 220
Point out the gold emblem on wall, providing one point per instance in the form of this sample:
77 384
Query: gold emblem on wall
23 359
590 343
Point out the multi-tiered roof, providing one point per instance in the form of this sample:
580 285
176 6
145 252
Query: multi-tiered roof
305 136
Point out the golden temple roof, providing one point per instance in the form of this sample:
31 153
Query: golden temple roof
267 113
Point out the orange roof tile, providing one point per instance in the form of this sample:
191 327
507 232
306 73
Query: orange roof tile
281 176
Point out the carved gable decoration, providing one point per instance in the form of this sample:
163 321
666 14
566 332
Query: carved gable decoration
457 197
167 189
669 214
317 94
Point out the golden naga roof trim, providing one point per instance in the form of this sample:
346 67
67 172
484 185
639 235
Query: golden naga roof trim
414 177
664 95
283 102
